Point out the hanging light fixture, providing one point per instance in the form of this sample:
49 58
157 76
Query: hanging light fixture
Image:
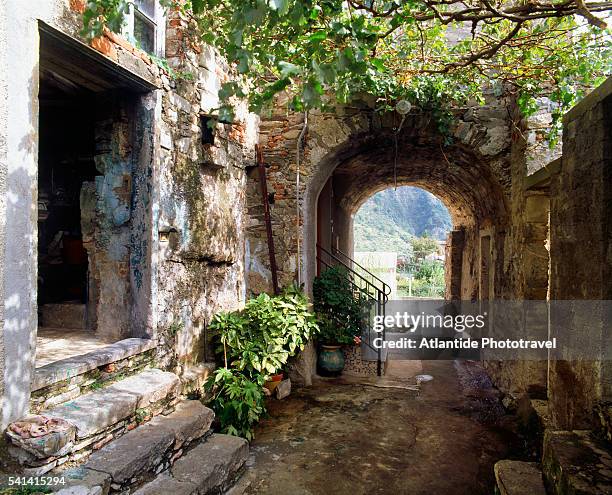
402 107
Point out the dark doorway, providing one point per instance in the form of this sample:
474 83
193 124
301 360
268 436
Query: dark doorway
65 166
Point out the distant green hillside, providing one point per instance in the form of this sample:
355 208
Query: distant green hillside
388 220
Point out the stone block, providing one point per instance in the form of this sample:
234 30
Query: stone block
77 365
134 454
150 386
83 481
165 484
519 478
213 464
190 420
576 463
93 412
283 389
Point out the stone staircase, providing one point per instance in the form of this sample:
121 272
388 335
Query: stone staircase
134 436
573 463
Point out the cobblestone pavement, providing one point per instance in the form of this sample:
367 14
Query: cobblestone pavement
350 436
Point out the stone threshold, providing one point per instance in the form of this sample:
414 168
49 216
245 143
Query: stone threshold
65 369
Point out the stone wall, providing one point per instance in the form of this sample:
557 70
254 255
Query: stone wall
580 252
349 155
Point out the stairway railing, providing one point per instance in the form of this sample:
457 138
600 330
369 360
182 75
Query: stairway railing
368 288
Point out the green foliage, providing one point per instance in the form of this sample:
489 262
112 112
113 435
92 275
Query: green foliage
255 343
339 309
261 338
423 247
237 400
26 490
427 279
432 53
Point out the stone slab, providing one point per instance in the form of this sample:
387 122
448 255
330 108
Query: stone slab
150 386
135 453
519 478
213 464
142 450
77 365
165 484
190 420
83 481
91 413
575 462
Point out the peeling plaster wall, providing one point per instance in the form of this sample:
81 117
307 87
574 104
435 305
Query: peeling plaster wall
200 269
3 175
156 178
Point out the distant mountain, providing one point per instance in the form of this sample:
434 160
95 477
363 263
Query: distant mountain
389 219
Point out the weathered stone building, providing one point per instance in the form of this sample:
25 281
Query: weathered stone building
127 221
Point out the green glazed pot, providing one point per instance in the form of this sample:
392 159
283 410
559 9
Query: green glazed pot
331 359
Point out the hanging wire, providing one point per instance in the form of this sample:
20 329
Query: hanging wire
297 196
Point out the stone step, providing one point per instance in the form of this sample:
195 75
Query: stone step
64 315
67 379
211 467
576 462
96 418
518 478
141 453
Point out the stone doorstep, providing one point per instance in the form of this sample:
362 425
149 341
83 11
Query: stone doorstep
519 478
77 365
576 462
141 451
93 412
210 467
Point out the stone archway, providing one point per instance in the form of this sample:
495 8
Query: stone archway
464 181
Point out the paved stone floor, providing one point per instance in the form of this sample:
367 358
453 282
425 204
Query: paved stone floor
53 344
349 436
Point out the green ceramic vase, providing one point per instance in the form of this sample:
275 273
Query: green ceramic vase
331 359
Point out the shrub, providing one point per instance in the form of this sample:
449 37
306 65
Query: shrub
238 402
339 308
255 343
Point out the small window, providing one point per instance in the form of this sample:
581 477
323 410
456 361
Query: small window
208 130
145 27
144 32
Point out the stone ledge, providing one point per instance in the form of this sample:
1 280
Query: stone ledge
93 412
152 447
211 467
95 419
518 478
77 365
577 463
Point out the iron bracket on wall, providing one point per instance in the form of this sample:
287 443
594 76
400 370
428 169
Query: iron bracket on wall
268 221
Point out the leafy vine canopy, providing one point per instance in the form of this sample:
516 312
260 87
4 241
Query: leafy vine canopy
433 53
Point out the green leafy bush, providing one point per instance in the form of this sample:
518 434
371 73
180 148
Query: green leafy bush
261 338
339 308
237 401
255 343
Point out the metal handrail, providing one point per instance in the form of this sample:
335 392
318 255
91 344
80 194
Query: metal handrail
375 294
350 269
386 289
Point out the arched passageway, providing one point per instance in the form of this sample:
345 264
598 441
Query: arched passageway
464 181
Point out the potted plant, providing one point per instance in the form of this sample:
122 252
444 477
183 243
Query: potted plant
340 314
